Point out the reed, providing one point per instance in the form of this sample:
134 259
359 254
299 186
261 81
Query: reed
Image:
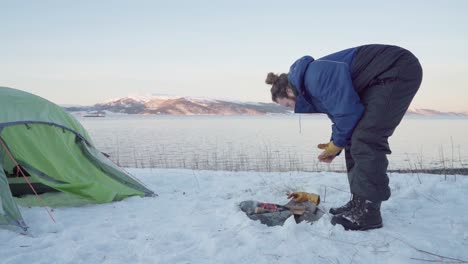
267 158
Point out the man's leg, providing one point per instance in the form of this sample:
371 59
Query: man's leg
349 166
349 160
385 103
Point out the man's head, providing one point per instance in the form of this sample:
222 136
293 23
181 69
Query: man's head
281 92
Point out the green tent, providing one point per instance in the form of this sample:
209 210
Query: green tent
49 145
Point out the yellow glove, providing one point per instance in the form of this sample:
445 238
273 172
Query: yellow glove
329 150
300 197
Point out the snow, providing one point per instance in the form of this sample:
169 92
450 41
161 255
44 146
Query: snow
195 219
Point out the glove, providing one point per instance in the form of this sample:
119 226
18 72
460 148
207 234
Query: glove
300 197
329 151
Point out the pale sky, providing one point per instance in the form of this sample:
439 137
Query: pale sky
85 52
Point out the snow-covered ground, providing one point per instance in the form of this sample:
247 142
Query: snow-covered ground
195 219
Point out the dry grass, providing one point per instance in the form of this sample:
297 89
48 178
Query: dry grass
267 159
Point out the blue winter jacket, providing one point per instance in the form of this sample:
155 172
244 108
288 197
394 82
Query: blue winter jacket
325 86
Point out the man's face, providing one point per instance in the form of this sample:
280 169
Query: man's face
286 102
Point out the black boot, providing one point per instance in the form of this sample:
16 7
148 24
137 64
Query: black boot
364 215
344 208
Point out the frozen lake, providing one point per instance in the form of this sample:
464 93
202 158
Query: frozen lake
265 143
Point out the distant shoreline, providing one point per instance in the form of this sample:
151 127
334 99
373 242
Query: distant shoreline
451 171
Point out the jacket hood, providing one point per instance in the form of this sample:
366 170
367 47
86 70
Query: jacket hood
297 72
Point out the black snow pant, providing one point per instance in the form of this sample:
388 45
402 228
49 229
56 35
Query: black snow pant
386 97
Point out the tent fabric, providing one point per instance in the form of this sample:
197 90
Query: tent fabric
55 150
9 212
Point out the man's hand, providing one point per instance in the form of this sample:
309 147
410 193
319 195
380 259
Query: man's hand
300 197
327 159
329 152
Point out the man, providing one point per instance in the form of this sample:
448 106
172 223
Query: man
365 91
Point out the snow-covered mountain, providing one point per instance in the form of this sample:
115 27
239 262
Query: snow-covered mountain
170 105
432 112
178 105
